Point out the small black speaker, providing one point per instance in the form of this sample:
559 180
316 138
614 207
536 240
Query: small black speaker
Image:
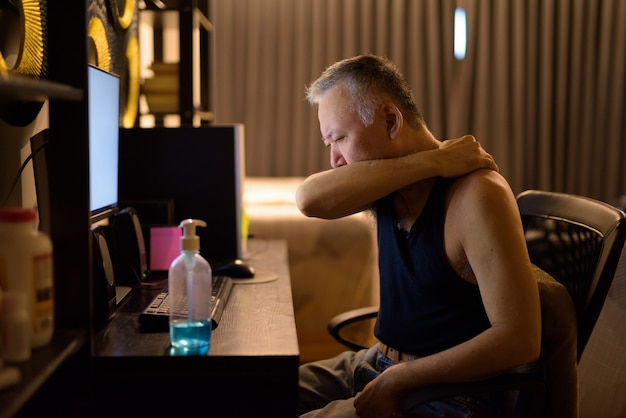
129 249
104 298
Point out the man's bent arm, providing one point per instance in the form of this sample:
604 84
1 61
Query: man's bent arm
355 187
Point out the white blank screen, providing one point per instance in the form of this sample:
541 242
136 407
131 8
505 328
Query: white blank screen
104 105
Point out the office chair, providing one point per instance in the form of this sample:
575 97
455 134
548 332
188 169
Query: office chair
574 240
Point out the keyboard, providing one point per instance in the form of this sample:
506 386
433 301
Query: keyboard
156 315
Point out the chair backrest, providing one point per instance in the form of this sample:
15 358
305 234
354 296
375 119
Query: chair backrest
577 240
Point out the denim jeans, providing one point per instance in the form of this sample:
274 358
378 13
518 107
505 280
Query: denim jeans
328 387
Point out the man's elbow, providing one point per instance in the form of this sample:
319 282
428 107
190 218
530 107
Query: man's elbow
305 204
311 204
529 349
534 351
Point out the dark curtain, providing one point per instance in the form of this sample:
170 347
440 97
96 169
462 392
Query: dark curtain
542 85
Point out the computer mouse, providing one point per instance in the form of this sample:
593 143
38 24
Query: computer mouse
236 269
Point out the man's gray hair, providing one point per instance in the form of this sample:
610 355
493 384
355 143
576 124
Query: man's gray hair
370 80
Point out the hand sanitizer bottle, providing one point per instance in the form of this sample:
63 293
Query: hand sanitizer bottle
190 292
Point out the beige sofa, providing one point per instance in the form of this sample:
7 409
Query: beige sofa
333 263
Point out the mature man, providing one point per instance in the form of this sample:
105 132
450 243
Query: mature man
458 299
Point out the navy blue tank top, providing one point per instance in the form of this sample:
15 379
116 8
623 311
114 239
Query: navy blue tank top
425 307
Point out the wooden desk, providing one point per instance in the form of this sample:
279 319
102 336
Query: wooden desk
253 356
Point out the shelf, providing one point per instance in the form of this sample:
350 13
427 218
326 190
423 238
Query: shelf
192 81
50 378
27 89
42 365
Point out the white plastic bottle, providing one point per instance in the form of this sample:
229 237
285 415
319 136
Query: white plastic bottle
189 284
15 327
26 266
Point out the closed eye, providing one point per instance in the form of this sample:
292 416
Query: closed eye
328 141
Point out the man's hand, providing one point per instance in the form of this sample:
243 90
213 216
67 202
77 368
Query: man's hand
378 399
462 155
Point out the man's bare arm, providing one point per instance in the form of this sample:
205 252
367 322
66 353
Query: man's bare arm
485 222
355 187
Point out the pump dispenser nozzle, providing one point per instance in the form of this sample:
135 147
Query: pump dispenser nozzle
190 241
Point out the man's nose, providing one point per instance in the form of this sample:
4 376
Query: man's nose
336 159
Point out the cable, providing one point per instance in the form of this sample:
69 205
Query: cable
19 172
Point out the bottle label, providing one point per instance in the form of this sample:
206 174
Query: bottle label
42 296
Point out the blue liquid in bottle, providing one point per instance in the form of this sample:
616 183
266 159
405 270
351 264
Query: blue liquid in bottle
191 334
190 302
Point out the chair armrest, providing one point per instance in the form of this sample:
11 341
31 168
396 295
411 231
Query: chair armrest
528 380
337 323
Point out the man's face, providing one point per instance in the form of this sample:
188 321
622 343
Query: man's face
345 134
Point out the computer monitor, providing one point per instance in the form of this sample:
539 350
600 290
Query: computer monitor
104 116
104 128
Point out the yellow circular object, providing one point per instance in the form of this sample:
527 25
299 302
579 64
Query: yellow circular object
30 57
132 86
97 33
30 60
123 20
4 70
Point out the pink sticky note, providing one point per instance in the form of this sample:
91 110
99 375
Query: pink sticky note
164 246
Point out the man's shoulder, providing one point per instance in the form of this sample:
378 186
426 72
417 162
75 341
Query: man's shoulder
479 181
483 184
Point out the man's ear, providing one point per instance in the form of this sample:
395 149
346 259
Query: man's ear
394 119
